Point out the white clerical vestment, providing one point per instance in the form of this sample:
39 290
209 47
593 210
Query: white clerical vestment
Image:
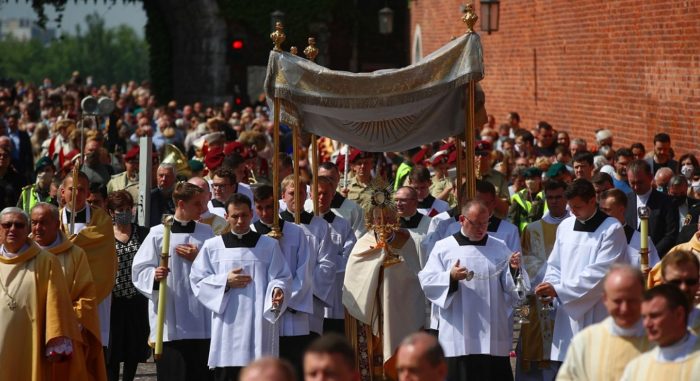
473 314
417 225
634 243
679 361
582 254
445 227
344 240
431 206
242 320
185 316
348 209
218 207
321 247
296 253
601 351
385 297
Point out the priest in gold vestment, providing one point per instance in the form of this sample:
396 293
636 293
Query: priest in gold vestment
537 243
381 292
94 234
677 356
601 351
87 362
37 324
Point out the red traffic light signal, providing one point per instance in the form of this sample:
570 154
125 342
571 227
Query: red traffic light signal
237 44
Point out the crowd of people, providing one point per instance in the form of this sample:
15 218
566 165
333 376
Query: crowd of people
353 278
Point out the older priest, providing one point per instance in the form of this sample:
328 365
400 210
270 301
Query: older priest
94 234
88 361
376 289
36 314
601 351
470 277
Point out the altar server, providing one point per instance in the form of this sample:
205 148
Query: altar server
587 244
186 331
242 278
470 276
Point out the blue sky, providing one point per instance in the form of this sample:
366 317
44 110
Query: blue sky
115 14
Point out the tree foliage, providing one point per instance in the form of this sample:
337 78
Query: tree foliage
108 55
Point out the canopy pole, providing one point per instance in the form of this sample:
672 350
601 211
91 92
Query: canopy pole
297 180
461 175
311 52
469 132
276 232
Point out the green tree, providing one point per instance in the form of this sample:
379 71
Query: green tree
108 55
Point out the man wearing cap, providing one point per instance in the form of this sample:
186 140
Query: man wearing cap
442 184
559 172
361 163
40 191
527 205
482 150
129 179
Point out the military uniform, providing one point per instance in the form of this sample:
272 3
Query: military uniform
439 185
360 193
121 182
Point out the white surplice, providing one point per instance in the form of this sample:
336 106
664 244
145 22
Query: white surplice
242 319
576 267
321 248
474 319
344 240
296 253
185 317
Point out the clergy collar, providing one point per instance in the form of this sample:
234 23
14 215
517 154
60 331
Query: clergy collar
637 330
550 219
289 217
427 202
677 351
232 240
182 227
592 223
494 223
9 255
463 240
410 222
80 217
329 216
55 243
337 201
217 204
629 232
240 236
264 228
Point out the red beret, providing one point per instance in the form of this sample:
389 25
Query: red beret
132 153
452 158
356 154
442 157
237 147
419 157
214 158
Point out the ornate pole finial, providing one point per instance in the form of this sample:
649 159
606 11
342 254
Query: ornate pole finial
469 17
294 50
278 36
311 51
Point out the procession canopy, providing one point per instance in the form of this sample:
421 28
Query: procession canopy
385 110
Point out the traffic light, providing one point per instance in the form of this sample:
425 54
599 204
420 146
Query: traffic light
237 45
237 48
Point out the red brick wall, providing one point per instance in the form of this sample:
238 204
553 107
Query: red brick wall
629 65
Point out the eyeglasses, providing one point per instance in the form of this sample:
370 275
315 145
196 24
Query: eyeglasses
219 185
479 225
17 225
403 200
687 282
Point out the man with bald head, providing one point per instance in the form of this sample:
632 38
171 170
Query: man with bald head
421 358
268 369
218 224
601 351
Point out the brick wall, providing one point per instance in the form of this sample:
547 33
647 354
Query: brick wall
629 65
